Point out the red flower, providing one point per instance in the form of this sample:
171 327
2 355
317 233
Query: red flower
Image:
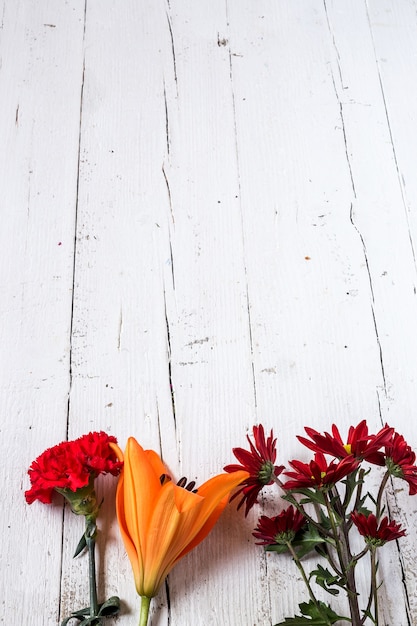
280 529
318 473
400 461
71 465
359 442
259 462
374 534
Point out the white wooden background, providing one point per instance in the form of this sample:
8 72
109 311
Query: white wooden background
218 196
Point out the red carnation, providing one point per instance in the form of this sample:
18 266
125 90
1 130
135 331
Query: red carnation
71 465
71 468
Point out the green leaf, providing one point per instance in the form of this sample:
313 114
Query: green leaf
369 615
110 607
364 510
324 521
327 580
311 495
79 615
310 540
305 541
279 548
319 614
82 544
371 497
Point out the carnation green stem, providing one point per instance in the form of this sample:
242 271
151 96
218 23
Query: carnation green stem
144 610
90 537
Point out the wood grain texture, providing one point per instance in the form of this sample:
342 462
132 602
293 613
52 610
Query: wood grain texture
209 220
40 78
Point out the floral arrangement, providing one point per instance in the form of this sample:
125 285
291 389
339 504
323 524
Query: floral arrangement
328 503
161 520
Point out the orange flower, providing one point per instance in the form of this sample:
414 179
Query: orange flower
160 522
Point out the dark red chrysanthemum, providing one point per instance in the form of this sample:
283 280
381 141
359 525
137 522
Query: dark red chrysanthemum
376 534
259 462
318 473
359 443
280 529
400 461
70 465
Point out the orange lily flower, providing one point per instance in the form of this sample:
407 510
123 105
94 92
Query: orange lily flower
160 522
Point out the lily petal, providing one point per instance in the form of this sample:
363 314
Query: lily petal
161 522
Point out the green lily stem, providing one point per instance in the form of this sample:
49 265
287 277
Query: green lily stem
90 538
144 610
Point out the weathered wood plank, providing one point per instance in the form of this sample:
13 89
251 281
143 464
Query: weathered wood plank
40 78
240 179
120 356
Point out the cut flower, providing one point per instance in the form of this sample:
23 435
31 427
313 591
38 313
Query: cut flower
323 515
71 466
400 461
280 529
359 442
160 522
318 473
259 462
375 534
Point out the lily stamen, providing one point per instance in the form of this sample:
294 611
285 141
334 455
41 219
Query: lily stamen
164 478
189 487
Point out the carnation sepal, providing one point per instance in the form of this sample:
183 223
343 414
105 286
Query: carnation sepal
82 501
313 614
109 608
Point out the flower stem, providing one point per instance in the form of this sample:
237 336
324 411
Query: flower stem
306 580
374 585
90 538
345 560
144 610
380 494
